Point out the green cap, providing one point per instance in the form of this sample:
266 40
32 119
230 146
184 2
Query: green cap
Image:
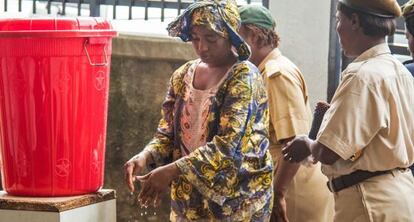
257 15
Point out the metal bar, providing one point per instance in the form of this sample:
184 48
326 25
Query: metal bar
20 5
401 32
63 7
265 3
137 3
158 4
94 5
34 6
130 10
334 55
48 5
399 49
79 7
94 8
146 10
162 10
5 5
114 8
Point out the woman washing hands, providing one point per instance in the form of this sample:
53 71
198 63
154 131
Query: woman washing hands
211 145
155 183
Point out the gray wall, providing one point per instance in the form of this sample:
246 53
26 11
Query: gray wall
303 27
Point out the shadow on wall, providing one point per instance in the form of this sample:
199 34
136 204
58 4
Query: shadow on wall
141 68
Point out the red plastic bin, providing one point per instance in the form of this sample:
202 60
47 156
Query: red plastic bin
54 81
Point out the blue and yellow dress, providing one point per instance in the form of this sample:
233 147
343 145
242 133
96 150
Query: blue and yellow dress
229 178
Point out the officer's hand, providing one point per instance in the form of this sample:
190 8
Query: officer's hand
297 149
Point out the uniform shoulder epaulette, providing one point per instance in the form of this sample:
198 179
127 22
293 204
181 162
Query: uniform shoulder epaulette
272 69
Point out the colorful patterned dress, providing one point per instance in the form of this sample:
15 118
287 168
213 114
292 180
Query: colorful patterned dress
229 177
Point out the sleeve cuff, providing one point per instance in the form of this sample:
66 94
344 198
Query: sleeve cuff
336 144
186 169
291 126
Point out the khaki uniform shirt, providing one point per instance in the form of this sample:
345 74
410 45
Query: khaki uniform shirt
308 198
290 114
372 112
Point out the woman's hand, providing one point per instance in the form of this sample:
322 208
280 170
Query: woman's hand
155 183
135 166
279 213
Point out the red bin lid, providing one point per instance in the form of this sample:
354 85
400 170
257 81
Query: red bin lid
56 27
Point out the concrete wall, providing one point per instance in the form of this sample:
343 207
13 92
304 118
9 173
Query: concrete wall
303 27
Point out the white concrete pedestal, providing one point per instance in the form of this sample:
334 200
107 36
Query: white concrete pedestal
97 207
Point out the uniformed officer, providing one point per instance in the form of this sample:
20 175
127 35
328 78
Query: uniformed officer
300 192
366 141
408 13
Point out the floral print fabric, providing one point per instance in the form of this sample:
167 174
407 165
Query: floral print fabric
229 178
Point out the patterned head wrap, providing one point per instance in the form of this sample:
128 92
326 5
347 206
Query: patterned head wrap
408 9
408 13
221 16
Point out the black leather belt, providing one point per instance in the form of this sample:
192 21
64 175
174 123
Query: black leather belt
345 181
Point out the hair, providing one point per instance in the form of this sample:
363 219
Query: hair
371 25
266 36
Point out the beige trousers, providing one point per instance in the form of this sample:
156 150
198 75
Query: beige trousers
308 198
384 198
